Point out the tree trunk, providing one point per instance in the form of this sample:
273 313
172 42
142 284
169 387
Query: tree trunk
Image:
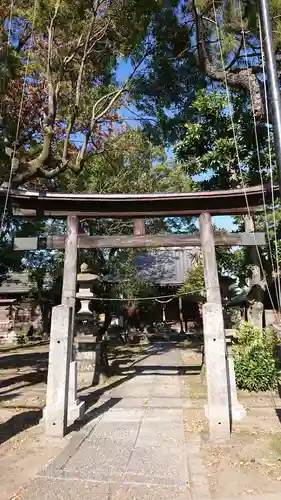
46 318
103 329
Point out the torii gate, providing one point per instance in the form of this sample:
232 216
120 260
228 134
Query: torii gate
63 406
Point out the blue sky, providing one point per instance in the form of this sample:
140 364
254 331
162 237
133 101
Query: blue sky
123 72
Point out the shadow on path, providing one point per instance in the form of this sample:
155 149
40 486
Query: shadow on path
128 372
19 360
30 378
92 414
19 423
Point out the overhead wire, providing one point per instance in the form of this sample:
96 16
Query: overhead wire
4 85
277 288
19 119
270 160
236 145
157 298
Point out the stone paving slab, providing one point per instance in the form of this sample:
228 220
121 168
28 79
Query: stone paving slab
71 489
162 465
166 391
123 415
97 464
165 402
61 489
141 380
167 435
116 432
132 392
165 415
133 403
150 493
136 450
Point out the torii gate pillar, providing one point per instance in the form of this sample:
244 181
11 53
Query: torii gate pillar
62 404
75 407
219 404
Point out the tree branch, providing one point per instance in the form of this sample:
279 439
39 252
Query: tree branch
242 78
34 166
77 97
112 96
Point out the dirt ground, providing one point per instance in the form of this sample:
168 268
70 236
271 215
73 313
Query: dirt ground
250 464
24 450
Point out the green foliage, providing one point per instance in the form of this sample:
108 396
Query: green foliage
45 270
256 367
130 283
194 279
8 259
166 85
130 163
72 50
209 146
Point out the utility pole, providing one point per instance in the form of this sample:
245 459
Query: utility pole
273 81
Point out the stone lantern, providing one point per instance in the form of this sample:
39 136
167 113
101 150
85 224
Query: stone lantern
85 320
87 284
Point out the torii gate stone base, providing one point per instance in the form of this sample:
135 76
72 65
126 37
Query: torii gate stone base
62 405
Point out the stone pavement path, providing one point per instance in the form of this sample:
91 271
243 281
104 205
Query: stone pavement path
134 448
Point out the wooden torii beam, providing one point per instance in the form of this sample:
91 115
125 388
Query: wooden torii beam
143 241
222 202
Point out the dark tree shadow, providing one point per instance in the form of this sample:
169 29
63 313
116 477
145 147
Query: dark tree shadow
6 397
29 345
134 370
92 414
32 359
30 379
38 363
19 423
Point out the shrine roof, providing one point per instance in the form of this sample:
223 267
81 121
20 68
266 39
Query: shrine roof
222 202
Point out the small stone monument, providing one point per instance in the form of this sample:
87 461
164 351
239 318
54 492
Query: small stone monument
255 306
255 315
238 411
85 321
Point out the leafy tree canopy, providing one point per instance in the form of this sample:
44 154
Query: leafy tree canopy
58 62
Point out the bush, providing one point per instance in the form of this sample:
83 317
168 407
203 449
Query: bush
256 367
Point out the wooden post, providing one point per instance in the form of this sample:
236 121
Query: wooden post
164 313
218 410
256 271
181 314
255 311
70 263
210 262
139 227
